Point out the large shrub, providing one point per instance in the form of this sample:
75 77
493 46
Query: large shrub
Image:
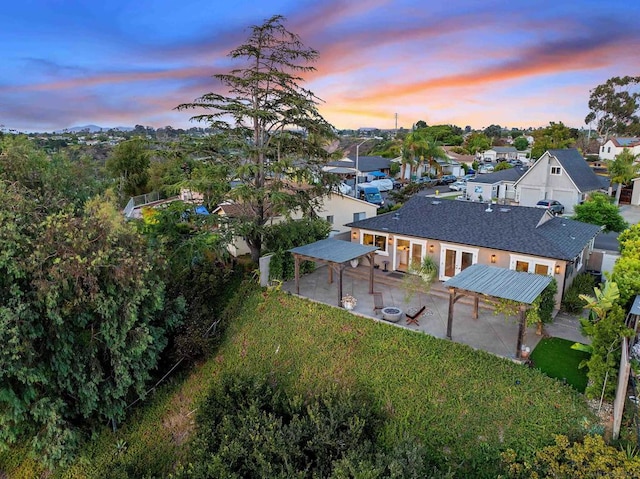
582 284
83 320
281 237
250 427
589 458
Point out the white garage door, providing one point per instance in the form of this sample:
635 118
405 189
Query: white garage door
567 198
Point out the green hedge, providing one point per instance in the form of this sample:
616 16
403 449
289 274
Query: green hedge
582 284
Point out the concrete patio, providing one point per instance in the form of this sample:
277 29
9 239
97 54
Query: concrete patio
490 332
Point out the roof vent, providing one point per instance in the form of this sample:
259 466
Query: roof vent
434 202
489 210
504 210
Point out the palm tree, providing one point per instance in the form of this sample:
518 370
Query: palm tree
433 150
622 170
414 144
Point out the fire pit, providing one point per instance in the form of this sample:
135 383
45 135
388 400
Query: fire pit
391 313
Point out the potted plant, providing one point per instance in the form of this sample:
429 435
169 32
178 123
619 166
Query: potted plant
349 302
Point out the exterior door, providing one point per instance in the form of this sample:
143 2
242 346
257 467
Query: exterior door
416 253
454 260
407 252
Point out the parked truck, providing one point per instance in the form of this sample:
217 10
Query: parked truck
370 193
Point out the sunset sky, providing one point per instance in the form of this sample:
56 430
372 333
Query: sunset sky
121 63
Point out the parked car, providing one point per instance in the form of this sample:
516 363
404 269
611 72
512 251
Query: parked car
468 177
458 186
383 184
397 184
344 188
426 181
370 193
486 169
447 179
552 205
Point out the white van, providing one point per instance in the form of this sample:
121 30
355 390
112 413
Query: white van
383 184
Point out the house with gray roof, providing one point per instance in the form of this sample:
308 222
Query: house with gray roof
614 146
457 234
498 185
562 175
500 153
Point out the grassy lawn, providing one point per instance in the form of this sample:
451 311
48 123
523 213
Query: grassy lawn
465 405
555 358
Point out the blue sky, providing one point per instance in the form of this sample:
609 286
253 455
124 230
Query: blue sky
517 63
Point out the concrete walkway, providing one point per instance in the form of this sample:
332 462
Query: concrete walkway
490 332
630 213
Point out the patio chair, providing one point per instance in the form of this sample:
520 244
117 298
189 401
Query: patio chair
378 303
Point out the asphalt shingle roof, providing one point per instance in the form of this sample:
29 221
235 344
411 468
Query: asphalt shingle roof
510 174
371 163
577 169
517 229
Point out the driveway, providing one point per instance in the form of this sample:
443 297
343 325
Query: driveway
490 332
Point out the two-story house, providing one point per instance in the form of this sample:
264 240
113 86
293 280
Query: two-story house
614 146
561 175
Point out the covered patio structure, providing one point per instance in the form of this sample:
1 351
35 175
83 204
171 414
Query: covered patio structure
337 254
481 280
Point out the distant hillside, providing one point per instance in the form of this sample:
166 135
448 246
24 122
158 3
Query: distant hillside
92 129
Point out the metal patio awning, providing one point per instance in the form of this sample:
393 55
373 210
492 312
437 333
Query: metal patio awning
482 280
338 254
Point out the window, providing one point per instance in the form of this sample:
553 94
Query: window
542 269
359 216
370 239
330 219
608 149
528 264
556 170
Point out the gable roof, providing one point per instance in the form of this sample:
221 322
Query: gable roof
518 229
503 149
508 174
371 163
578 169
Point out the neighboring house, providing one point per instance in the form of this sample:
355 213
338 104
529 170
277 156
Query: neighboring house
561 175
367 164
449 167
494 186
348 167
635 192
337 209
458 157
614 146
500 153
457 234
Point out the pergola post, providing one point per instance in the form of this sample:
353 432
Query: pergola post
297 272
521 329
340 285
330 270
475 307
452 296
371 262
